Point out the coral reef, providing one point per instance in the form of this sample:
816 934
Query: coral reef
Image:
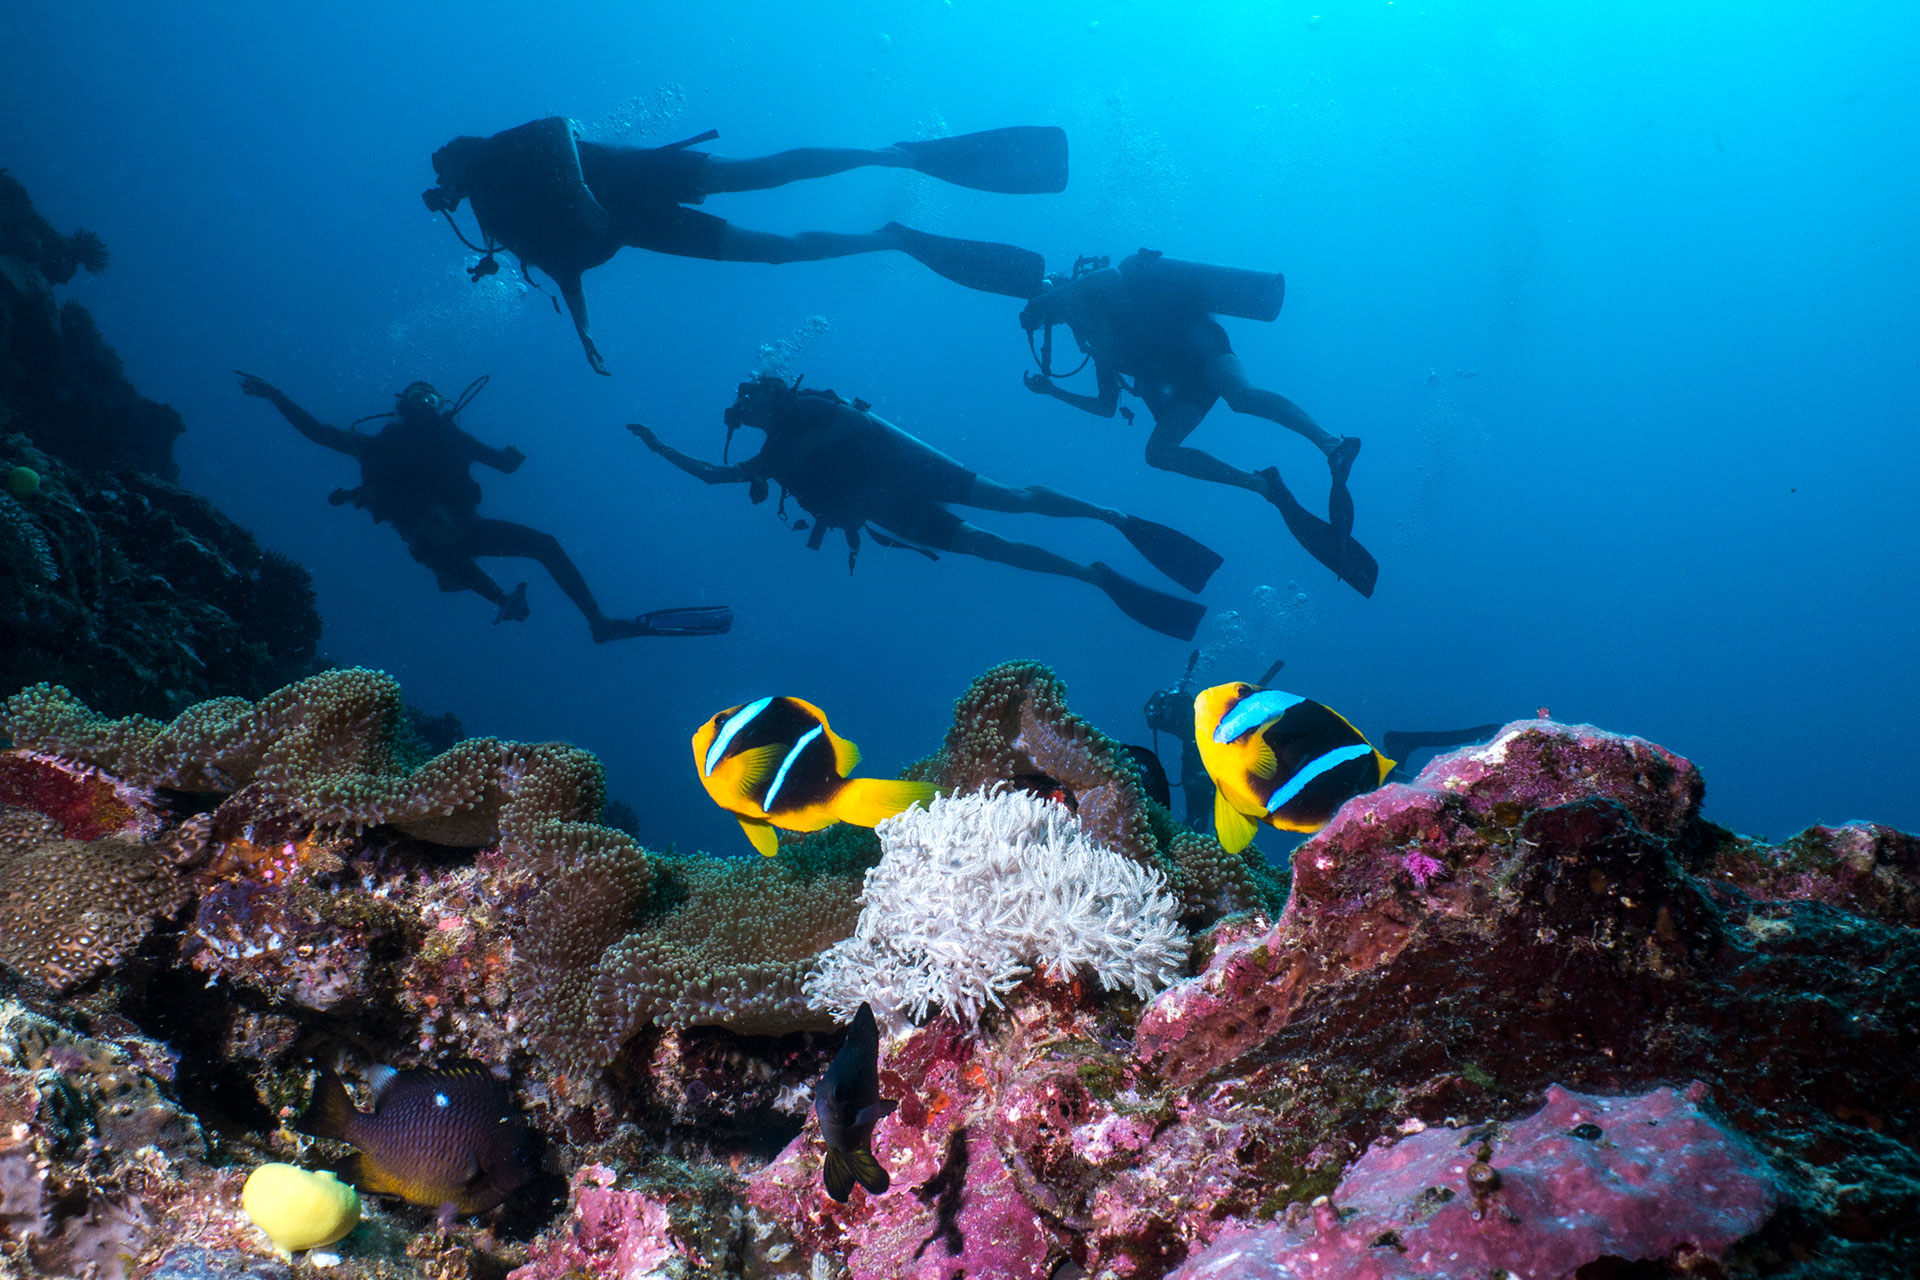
1487 982
974 892
1570 921
70 909
609 1233
1013 727
140 595
334 748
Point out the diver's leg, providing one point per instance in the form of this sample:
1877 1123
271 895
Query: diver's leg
455 572
737 244
508 540
720 174
1227 377
1172 424
464 575
1036 499
971 540
1167 614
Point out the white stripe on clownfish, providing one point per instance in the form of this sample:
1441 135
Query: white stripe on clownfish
735 723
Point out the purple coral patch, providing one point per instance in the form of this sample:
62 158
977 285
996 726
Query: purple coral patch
1651 1177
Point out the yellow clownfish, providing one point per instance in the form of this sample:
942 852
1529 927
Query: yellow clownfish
776 763
1280 759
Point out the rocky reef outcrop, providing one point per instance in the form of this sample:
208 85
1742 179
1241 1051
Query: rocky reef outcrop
113 580
1529 1013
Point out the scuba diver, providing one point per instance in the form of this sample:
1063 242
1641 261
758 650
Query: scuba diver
850 469
414 476
565 205
1151 320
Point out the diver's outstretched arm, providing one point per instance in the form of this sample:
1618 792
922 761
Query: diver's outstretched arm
305 423
695 467
1102 405
576 300
506 461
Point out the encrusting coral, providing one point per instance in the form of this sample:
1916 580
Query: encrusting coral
334 748
70 909
604 951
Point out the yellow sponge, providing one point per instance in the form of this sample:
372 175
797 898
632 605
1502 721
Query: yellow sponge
299 1209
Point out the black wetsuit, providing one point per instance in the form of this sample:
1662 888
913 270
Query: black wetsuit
646 191
1164 343
899 484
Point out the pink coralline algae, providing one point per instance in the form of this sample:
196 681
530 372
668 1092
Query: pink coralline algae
86 802
1463 810
1650 1178
606 1233
1421 867
960 1200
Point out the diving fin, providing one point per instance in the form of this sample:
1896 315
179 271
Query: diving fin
1186 560
978 264
697 620
1155 610
1350 561
1024 160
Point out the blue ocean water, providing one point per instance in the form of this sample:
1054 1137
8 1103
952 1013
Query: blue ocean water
1621 298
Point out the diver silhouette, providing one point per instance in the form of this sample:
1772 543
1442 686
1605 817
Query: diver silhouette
1151 320
414 476
566 205
850 469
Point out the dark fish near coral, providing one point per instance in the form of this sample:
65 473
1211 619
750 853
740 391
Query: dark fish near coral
1045 787
848 1103
448 1136
1153 774
1280 759
777 763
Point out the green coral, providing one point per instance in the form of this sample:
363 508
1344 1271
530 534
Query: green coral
336 748
703 941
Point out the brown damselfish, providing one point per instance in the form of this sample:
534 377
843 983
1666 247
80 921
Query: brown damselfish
848 1103
447 1136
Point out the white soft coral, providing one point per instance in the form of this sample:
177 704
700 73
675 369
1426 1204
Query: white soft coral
974 891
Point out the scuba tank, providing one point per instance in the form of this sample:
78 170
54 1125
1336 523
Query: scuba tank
1221 291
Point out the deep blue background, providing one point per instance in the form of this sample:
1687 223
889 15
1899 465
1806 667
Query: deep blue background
1623 299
